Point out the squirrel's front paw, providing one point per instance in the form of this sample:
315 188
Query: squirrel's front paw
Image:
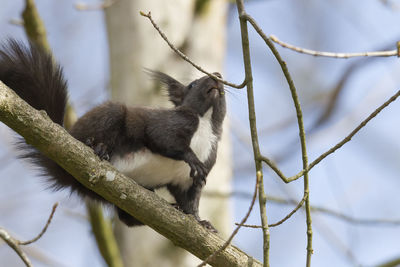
99 149
198 172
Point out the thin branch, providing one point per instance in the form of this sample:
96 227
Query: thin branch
358 128
14 244
243 221
290 213
53 210
346 139
98 6
262 198
276 169
390 53
302 134
344 217
360 221
186 58
325 211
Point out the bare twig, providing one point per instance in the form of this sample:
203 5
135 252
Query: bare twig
44 228
360 221
290 213
262 198
323 210
14 244
99 6
390 53
346 139
302 134
186 58
347 218
358 128
339 87
239 225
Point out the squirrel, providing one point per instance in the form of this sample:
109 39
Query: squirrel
174 148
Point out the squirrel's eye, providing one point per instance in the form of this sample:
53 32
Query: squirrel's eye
191 85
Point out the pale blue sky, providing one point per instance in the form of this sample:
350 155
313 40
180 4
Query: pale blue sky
360 180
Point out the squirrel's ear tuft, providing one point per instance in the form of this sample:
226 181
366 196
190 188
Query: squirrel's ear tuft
175 88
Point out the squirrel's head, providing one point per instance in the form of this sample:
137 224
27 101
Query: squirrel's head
199 95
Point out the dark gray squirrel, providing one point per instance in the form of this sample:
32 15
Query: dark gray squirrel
173 148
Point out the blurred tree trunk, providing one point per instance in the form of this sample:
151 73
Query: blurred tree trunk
198 28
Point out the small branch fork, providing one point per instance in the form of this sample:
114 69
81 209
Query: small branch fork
15 243
390 53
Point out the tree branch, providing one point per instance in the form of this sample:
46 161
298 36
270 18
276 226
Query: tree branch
103 232
262 198
34 26
185 57
346 139
15 243
302 134
390 53
101 177
44 228
253 200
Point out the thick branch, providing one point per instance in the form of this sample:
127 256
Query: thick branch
79 160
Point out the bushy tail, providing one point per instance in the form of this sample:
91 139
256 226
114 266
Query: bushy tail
34 75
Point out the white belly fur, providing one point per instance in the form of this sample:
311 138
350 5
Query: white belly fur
152 170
